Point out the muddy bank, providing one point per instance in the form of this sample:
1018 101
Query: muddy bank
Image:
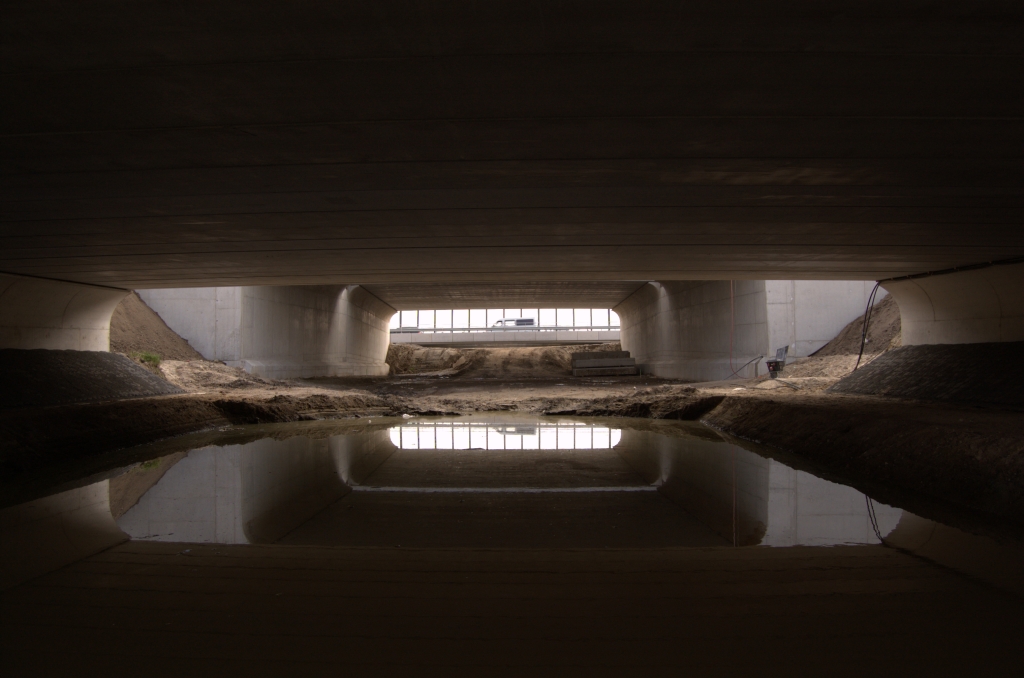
34 439
663 402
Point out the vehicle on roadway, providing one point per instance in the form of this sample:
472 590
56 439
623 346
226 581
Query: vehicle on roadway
515 322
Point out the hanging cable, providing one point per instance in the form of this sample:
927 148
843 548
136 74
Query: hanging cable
742 366
732 323
873 518
867 319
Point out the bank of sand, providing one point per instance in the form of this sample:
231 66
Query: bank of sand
959 457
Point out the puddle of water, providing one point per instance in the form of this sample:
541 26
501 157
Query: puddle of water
503 482
512 483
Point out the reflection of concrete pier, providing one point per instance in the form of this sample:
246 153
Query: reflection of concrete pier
748 499
252 493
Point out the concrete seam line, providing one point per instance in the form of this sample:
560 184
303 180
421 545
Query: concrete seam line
61 280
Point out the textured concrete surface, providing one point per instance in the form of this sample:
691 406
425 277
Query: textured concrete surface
40 378
247 143
966 374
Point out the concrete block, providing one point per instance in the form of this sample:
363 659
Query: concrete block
597 355
605 371
606 362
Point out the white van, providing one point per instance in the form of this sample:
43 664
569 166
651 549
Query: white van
515 322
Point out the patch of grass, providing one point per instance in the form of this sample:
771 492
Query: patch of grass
147 357
151 464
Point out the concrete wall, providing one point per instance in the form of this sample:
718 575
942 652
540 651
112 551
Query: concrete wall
967 307
209 318
680 330
282 332
807 314
49 314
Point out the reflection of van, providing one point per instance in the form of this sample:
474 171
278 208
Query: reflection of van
515 322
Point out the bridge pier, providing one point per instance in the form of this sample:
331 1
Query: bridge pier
282 332
707 330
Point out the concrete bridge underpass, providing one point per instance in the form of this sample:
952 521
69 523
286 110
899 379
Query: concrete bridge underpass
356 163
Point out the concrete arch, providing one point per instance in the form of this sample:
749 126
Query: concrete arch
966 307
50 314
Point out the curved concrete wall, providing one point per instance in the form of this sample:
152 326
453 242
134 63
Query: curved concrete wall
282 332
37 313
317 331
680 330
968 307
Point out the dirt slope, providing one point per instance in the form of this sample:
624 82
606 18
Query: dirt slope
883 332
136 327
836 359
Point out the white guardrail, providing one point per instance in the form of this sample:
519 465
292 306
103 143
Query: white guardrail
521 328
444 335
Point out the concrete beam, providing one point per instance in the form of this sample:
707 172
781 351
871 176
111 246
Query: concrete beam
51 314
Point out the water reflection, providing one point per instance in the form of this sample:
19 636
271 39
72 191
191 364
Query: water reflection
752 500
706 491
455 435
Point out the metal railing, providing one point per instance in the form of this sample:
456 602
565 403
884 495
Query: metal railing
520 328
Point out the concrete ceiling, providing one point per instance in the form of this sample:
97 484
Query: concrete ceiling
154 144
590 294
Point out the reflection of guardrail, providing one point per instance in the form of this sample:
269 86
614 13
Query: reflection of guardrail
522 328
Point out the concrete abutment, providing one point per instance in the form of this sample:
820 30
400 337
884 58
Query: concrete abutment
964 307
52 314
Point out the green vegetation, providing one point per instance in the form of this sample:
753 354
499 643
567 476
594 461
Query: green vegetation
151 464
147 357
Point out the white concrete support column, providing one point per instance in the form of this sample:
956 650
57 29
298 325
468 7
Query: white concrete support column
681 330
966 307
316 331
282 332
49 314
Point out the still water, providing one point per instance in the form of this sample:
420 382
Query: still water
509 482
